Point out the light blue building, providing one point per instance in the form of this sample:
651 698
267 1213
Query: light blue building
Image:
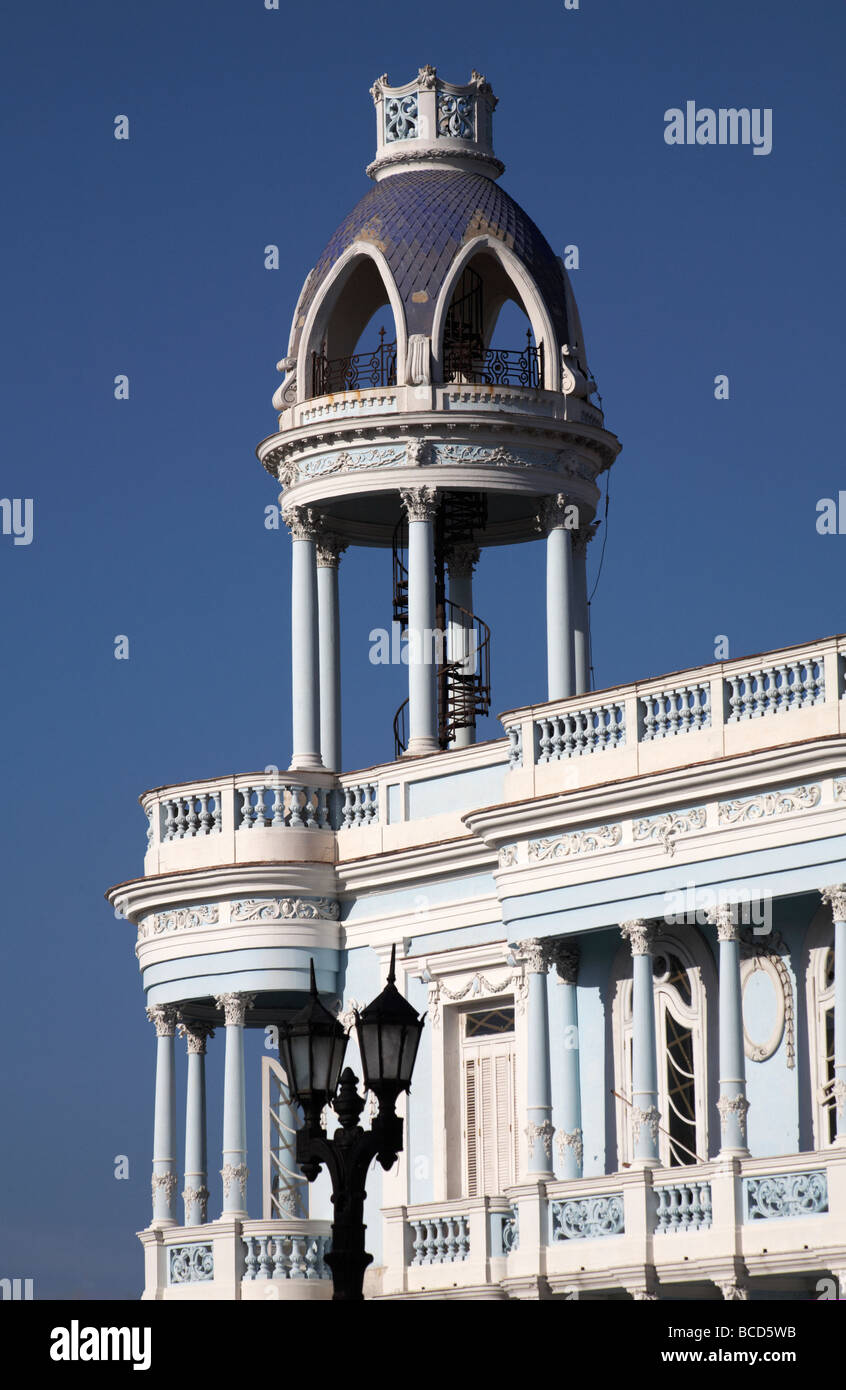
626 917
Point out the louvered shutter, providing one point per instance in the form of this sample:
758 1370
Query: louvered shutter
470 1127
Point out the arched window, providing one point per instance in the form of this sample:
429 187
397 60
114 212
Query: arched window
819 993
354 336
681 970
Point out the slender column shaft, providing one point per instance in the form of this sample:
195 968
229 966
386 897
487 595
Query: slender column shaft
732 1104
554 518
305 654
164 1184
645 1113
539 1128
196 1193
461 635
329 624
421 506
569 1140
234 1170
836 896
581 614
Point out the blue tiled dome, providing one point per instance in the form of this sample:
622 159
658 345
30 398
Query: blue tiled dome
420 220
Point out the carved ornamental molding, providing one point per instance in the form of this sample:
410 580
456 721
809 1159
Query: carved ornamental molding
234 1007
570 1139
543 1133
668 828
163 1017
303 523
835 896
196 1035
782 803
237 1173
733 1105
420 503
640 936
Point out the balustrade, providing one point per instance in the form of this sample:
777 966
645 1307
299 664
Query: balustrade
777 688
185 816
287 1255
440 1240
361 805
669 712
284 805
683 1206
580 732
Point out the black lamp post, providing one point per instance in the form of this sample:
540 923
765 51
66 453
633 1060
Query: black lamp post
312 1047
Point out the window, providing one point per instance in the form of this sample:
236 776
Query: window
678 971
488 1101
820 998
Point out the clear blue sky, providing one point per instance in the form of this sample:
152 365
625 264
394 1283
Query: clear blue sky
145 257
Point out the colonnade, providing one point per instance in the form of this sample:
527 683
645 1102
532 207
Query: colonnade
315 622
732 1104
168 1021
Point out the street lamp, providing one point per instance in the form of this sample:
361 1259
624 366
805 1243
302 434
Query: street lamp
311 1047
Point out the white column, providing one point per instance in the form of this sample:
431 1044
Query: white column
645 1115
836 896
234 1170
565 955
539 1127
460 649
558 518
421 506
305 655
196 1193
732 1104
163 1017
329 550
581 607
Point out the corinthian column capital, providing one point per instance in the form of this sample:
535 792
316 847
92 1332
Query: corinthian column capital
195 1035
727 924
555 511
303 523
234 1007
420 503
163 1017
329 550
639 935
836 896
535 954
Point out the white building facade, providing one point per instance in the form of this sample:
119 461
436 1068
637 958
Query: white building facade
626 917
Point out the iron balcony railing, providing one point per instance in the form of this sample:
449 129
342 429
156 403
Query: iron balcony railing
361 370
467 362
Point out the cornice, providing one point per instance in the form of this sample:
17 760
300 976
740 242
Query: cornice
643 793
391 869
184 887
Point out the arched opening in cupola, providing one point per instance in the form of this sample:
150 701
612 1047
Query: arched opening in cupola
352 344
489 336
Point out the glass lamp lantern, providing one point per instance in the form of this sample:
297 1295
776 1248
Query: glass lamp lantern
388 1033
311 1049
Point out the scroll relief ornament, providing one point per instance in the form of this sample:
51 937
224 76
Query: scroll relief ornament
669 827
543 1132
285 909
783 803
574 843
180 919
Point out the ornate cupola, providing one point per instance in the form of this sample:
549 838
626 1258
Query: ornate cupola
408 419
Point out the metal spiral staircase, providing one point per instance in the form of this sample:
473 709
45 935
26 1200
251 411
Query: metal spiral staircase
463 675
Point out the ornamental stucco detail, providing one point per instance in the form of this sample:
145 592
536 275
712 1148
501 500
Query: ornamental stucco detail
649 1119
574 843
781 1195
733 1105
478 985
768 804
163 1017
163 1182
191 1264
570 1139
196 1036
234 1173
588 1218
835 896
196 1196
544 1133
639 935
234 1007
180 919
668 828
285 909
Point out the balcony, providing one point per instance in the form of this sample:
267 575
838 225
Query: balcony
734 1226
246 1261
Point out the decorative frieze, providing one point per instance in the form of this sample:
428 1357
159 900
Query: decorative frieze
349 461
768 804
588 1218
179 919
781 1195
191 1264
285 909
840 788
478 985
575 842
669 827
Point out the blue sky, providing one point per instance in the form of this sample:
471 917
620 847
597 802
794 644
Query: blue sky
145 257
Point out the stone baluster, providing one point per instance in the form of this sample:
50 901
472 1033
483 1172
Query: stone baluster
196 1193
645 1114
836 896
163 1018
732 1104
421 505
305 650
234 1170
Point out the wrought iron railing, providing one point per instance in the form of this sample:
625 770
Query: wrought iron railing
359 371
494 366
